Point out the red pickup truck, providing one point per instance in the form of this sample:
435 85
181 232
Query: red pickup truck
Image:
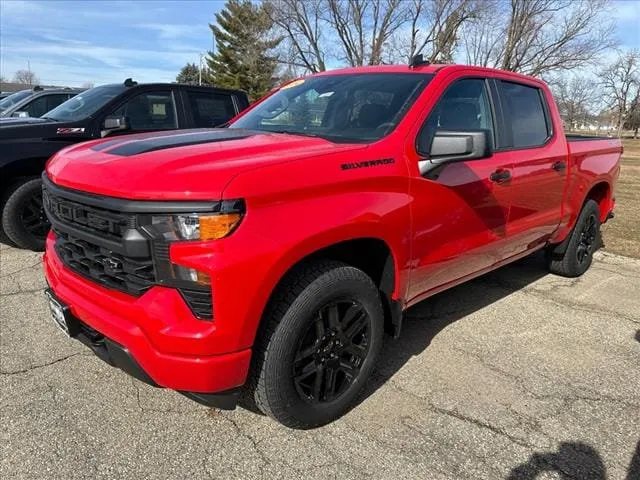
265 261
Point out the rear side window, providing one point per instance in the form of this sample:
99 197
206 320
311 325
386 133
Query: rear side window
210 109
526 111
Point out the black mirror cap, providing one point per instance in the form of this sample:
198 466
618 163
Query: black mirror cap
456 146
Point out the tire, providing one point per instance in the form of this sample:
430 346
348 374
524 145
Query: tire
23 218
309 327
581 244
3 199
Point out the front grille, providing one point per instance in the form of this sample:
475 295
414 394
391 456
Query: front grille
113 248
95 220
132 276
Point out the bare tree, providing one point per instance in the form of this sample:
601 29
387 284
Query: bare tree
301 23
619 81
576 97
434 26
539 36
363 26
26 77
632 119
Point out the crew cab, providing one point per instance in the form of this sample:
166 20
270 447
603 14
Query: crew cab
35 102
104 111
264 261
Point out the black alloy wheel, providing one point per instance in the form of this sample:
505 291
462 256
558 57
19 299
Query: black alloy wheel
588 237
574 255
332 351
33 218
317 346
23 218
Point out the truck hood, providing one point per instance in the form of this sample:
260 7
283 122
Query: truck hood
178 165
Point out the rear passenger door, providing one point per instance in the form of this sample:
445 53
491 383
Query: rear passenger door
538 171
209 108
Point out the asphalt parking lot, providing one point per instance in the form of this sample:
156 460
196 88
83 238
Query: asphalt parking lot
516 373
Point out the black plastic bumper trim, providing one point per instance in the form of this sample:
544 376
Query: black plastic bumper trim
120 357
227 400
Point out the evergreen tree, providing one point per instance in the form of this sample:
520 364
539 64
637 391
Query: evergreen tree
243 43
189 74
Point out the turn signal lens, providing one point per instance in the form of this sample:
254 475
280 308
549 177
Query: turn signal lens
213 227
196 226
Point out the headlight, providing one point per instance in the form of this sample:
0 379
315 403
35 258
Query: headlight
164 229
194 226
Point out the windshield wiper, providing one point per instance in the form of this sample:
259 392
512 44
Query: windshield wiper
294 132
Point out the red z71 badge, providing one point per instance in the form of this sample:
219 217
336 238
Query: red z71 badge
67 131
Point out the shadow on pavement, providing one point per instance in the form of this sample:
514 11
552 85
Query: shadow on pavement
573 460
425 320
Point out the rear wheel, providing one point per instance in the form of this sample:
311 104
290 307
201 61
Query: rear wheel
23 217
574 258
320 343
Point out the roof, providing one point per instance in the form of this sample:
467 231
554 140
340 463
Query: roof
430 69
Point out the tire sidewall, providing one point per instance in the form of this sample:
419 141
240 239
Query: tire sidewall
11 212
590 208
300 315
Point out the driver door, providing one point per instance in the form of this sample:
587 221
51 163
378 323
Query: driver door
148 111
459 213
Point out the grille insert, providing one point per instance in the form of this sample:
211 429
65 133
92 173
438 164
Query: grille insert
132 276
96 220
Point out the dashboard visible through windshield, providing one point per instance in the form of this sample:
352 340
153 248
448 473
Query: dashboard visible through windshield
359 108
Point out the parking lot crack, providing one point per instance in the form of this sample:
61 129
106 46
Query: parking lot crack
484 425
254 443
35 367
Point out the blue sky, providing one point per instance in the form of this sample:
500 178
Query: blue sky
73 42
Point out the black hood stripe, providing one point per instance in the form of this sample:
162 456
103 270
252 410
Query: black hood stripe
127 147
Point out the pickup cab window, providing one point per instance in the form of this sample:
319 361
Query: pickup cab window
210 109
44 103
523 104
149 111
463 107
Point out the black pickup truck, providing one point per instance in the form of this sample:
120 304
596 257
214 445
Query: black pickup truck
107 110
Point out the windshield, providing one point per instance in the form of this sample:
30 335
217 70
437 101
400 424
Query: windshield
14 98
85 104
361 107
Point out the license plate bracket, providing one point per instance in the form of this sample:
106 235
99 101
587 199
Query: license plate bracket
61 315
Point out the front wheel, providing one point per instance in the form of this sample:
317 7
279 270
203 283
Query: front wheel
584 240
23 217
319 345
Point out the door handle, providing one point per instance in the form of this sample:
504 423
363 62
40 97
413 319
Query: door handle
500 176
559 166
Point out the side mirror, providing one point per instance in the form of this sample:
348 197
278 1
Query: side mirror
448 147
20 114
115 123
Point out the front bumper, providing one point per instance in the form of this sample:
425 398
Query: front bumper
155 334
